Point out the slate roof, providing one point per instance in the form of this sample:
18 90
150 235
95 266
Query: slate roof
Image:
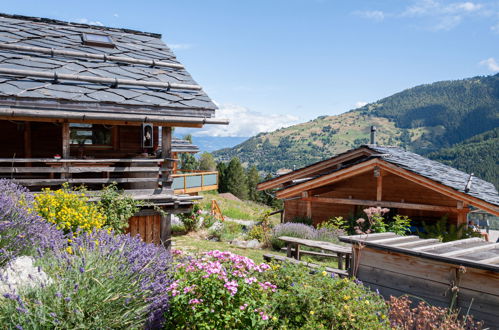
433 170
39 32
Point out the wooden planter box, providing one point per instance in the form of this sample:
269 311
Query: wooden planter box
465 270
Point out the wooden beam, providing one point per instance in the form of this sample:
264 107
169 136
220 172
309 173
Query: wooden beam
312 169
411 206
166 151
305 195
439 187
27 139
379 183
446 244
470 250
326 179
77 169
462 217
166 230
65 147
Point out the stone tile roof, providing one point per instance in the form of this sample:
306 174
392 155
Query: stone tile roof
433 170
37 32
438 172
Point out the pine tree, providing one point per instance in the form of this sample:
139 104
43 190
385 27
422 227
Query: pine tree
236 179
222 177
207 162
188 161
253 178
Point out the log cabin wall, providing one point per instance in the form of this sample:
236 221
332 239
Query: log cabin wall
363 186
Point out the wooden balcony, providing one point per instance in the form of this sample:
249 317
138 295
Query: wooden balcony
132 174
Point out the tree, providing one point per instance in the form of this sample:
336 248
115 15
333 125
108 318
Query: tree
222 177
207 162
253 178
236 179
188 161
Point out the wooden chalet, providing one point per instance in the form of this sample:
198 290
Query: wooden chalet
94 105
391 177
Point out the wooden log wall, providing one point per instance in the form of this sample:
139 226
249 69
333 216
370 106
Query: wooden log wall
147 224
364 187
396 274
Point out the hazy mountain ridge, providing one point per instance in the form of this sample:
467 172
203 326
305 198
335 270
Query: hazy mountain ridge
424 119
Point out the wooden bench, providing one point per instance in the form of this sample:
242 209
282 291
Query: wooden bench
343 253
330 270
312 253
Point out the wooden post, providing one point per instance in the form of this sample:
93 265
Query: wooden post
27 140
462 215
379 183
166 230
65 148
306 194
166 150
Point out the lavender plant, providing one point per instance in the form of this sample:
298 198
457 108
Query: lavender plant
303 231
100 281
22 232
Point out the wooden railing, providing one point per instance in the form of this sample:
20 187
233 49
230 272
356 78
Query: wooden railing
130 173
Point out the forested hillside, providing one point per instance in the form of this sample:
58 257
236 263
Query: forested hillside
444 120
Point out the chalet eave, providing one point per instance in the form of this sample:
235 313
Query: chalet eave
314 168
301 190
116 118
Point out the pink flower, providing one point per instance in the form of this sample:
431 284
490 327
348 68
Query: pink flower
195 301
243 307
231 286
250 280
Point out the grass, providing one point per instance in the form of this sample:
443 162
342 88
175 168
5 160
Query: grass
244 210
195 243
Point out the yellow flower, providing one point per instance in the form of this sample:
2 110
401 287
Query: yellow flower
367 302
346 297
69 250
383 316
324 273
312 312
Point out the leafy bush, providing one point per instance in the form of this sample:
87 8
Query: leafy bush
424 316
22 231
263 230
446 232
226 231
219 290
191 219
116 207
333 223
314 300
102 281
69 210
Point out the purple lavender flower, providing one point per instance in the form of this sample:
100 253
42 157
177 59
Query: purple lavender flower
67 299
58 295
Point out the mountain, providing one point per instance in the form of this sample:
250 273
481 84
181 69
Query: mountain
212 143
438 120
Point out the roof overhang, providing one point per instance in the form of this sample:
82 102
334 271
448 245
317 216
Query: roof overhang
101 117
369 165
314 168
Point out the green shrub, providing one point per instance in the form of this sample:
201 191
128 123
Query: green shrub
117 207
446 232
306 300
219 290
191 219
178 229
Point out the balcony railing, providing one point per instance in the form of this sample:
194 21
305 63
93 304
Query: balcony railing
195 181
129 173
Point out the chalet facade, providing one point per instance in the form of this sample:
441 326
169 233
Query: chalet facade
372 175
94 105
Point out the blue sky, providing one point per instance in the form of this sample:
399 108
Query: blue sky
271 63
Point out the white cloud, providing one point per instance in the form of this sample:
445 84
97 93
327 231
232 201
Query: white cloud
491 64
375 15
437 15
244 122
87 21
180 46
360 104
116 15
495 28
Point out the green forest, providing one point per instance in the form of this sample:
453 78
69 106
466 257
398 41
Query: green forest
455 122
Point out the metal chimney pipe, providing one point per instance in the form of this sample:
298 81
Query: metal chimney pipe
373 135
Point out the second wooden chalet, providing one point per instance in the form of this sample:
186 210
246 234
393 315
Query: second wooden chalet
94 105
372 175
